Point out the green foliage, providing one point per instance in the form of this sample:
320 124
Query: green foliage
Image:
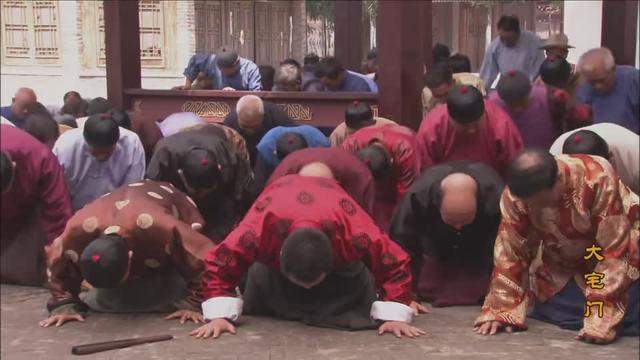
371 7
320 10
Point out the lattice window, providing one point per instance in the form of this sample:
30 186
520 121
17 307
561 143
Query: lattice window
152 49
30 31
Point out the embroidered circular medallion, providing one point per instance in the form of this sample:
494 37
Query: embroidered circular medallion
305 198
72 255
113 229
348 206
262 204
90 224
144 221
155 195
167 189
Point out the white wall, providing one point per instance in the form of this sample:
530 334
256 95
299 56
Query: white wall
51 82
583 26
638 40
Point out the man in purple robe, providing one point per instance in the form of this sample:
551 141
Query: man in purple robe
35 205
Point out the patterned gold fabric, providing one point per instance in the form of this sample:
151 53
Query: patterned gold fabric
238 142
342 132
538 250
429 102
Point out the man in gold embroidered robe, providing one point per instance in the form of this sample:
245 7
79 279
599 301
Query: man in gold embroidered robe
553 210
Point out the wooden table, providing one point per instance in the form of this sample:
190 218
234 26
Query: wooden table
320 109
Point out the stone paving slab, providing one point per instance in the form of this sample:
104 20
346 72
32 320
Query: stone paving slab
449 337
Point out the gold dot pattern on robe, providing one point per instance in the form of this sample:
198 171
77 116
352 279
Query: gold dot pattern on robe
48 274
191 201
167 249
196 226
144 221
167 189
176 213
152 263
121 204
72 255
113 229
155 195
90 224
136 184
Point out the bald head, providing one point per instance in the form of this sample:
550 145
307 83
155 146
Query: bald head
316 169
459 200
598 67
250 110
24 102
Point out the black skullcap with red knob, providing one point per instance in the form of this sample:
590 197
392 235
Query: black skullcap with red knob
555 71
288 143
100 131
513 86
201 169
586 142
465 104
358 115
377 160
105 261
226 56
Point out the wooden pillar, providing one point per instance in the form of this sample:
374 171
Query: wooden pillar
619 21
404 47
122 46
348 33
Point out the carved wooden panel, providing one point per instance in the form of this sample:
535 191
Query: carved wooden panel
238 27
232 23
274 25
208 18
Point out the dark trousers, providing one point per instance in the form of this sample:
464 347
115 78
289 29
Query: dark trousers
342 301
566 309
22 252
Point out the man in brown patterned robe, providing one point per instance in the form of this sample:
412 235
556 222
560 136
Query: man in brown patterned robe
563 219
154 227
212 166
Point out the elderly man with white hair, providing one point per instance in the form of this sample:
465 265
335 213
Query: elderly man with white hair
253 117
23 103
288 78
613 91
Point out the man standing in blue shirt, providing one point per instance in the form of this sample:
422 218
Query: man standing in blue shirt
612 91
22 104
335 77
511 50
226 70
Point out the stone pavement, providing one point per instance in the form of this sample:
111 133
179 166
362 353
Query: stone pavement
449 337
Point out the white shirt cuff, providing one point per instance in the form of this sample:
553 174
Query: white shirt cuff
222 307
391 311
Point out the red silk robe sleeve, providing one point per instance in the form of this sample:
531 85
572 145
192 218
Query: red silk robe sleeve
508 141
515 247
388 262
408 167
430 153
229 261
350 144
55 201
615 219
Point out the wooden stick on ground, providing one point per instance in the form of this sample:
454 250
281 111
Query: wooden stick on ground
116 344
